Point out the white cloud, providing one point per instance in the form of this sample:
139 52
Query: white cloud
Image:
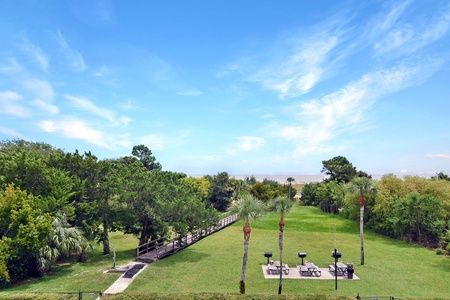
11 132
246 144
46 107
344 111
298 72
153 141
75 129
41 89
37 54
10 104
399 34
73 57
87 105
440 155
12 66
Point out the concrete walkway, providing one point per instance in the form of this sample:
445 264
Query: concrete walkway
124 280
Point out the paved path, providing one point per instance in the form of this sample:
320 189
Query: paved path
125 280
142 262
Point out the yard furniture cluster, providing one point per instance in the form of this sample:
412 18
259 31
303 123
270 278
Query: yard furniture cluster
309 269
275 267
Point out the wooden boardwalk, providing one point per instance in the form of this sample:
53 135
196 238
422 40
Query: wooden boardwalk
161 248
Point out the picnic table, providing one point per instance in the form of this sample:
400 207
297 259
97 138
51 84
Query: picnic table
275 268
341 268
310 269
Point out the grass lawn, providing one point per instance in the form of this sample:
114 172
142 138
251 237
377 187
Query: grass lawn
89 276
213 265
392 268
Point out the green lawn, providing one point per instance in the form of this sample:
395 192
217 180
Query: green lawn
392 268
74 276
213 265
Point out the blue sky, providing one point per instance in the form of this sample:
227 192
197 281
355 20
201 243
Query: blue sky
247 87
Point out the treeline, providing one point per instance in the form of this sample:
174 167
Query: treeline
55 205
412 208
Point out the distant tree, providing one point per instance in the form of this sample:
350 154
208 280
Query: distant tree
220 196
362 186
250 180
237 187
441 176
282 206
339 169
247 208
363 174
418 218
309 194
290 180
330 195
144 154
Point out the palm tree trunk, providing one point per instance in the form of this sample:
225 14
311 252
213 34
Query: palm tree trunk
361 227
280 241
247 230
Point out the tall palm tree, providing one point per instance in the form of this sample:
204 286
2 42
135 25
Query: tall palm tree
247 208
282 206
290 180
362 186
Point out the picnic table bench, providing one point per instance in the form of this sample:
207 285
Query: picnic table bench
275 267
341 268
309 269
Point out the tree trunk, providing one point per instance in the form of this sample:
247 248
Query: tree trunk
280 242
361 229
106 249
143 237
247 230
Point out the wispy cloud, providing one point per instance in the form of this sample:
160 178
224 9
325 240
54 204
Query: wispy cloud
88 106
344 111
72 56
298 61
153 141
43 94
11 132
46 107
11 66
75 129
440 155
396 33
246 144
36 53
300 71
10 104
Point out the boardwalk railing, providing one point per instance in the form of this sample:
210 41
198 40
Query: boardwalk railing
165 246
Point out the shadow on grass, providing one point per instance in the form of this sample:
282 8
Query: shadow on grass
187 255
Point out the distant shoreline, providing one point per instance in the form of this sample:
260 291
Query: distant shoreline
281 178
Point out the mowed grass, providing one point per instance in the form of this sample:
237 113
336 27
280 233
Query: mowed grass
213 265
72 276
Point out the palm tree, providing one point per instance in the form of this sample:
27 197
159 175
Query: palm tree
65 241
290 180
282 206
247 208
362 186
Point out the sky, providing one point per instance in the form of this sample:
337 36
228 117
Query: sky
244 87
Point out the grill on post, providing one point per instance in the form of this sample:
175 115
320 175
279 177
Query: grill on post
302 255
268 255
